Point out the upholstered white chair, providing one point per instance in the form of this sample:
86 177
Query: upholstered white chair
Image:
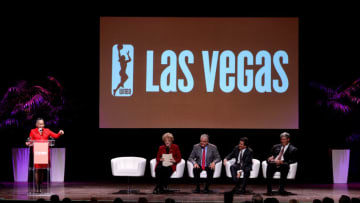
128 167
203 174
291 175
253 174
179 173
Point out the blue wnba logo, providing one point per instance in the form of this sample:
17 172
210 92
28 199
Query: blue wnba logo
122 70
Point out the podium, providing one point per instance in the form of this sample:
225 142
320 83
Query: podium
40 160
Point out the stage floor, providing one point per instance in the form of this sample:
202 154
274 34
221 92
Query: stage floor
104 192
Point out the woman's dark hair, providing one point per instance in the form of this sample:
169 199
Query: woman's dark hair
257 198
39 119
142 200
355 200
316 201
327 200
228 197
169 200
55 198
271 200
344 199
118 200
66 200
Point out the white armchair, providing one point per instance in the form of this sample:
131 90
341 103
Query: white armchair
128 167
179 173
290 175
253 174
203 174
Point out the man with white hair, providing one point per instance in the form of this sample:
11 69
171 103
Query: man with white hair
204 156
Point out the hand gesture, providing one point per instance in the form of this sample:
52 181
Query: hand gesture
270 159
278 162
196 165
61 132
225 162
212 165
238 174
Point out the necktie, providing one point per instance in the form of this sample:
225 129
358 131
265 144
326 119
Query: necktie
241 155
281 153
203 160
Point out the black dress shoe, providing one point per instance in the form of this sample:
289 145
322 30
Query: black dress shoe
238 191
156 190
235 189
283 192
197 190
269 193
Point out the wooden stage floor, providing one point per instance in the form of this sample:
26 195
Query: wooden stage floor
104 192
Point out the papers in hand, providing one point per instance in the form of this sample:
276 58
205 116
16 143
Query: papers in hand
167 158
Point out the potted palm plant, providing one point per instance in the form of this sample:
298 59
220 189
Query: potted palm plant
23 102
340 103
21 105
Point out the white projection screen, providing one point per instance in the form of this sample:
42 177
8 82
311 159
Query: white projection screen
173 72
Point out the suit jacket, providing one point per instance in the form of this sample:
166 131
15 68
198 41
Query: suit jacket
174 150
46 134
35 134
289 155
246 157
211 156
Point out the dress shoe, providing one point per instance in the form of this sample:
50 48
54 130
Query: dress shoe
156 190
197 190
283 192
269 193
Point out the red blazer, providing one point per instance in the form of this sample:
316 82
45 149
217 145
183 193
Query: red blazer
35 135
174 150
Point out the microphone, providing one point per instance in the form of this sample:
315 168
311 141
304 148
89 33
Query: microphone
40 130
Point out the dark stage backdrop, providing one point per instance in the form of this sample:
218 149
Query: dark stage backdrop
66 46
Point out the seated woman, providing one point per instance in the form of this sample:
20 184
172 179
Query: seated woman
163 168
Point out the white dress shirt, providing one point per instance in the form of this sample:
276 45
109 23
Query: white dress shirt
240 153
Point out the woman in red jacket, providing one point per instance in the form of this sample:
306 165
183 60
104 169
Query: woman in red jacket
41 133
163 169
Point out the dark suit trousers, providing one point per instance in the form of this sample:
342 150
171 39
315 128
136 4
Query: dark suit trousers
271 169
209 174
234 168
163 175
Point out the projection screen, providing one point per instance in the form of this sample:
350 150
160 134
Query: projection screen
182 72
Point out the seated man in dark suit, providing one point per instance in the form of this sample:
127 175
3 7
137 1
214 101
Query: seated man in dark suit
281 156
204 156
243 164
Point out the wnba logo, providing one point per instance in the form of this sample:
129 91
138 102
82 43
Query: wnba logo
122 70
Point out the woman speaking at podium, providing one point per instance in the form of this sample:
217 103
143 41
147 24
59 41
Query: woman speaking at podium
37 134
